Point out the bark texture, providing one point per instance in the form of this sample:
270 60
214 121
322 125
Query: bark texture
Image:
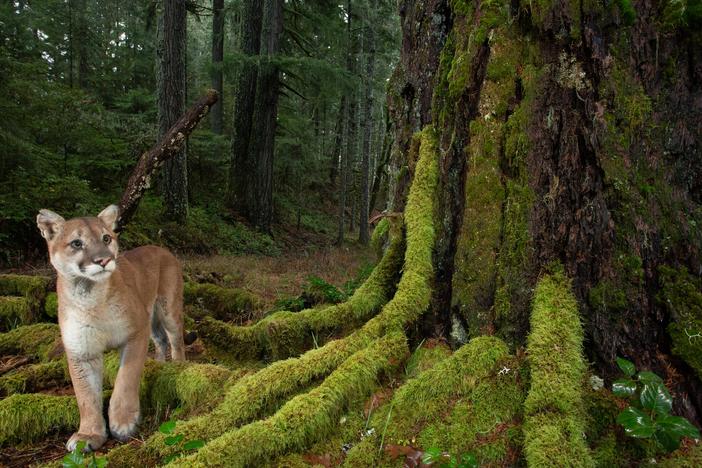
216 116
171 103
569 134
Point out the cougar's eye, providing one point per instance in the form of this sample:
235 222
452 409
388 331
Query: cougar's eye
106 239
76 243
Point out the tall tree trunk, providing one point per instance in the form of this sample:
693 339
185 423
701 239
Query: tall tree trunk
216 113
367 124
568 148
350 148
82 41
171 103
335 155
262 140
380 168
242 163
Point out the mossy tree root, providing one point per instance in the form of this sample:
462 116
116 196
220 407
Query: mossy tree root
34 377
286 334
228 304
21 298
190 386
28 417
426 398
307 417
554 424
257 394
38 341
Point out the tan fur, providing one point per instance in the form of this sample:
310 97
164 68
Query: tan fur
111 301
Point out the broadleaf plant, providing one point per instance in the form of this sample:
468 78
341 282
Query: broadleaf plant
650 414
177 440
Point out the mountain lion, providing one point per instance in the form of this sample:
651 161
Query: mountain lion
108 301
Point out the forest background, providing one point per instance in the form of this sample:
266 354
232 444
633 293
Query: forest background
81 83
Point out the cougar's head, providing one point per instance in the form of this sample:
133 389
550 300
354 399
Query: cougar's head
81 247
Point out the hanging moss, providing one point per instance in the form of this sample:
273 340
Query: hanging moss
554 424
39 341
285 334
28 417
34 377
224 303
307 417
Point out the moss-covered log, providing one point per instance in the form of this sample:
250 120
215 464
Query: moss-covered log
34 377
40 341
22 299
189 386
235 305
555 419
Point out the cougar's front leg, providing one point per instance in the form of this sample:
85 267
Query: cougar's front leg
124 404
86 375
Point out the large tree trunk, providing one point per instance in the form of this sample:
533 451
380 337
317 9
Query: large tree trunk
367 124
350 147
563 139
171 103
242 165
262 139
216 114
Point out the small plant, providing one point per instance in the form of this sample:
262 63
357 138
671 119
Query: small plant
78 458
319 291
434 456
650 414
178 441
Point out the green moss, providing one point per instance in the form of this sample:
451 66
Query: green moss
39 341
25 418
681 295
34 377
51 305
554 424
32 289
15 311
285 334
380 236
426 356
307 417
224 303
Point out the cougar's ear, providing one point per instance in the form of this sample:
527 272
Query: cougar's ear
109 216
49 223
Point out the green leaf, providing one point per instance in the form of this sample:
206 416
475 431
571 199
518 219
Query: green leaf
647 377
677 425
69 462
167 427
636 423
668 440
624 387
173 440
626 366
656 397
193 444
431 455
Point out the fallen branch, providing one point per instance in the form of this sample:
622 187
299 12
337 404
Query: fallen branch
149 162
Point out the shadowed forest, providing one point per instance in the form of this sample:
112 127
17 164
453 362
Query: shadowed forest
451 233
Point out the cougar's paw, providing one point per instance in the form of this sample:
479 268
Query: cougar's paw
124 426
92 441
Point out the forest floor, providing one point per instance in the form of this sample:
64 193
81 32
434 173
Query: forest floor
271 279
